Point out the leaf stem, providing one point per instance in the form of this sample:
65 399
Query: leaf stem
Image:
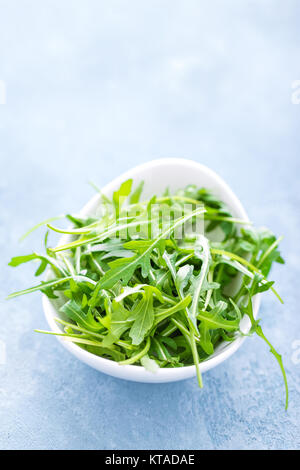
138 356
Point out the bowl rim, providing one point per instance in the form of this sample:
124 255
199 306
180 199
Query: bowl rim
135 372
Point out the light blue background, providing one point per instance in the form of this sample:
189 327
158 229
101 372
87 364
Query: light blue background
94 88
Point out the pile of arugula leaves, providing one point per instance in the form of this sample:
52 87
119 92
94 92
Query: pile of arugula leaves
134 292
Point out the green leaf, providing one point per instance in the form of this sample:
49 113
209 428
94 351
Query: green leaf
17 260
42 286
120 196
205 339
135 196
162 314
139 288
143 317
214 319
258 330
85 319
183 277
119 322
205 256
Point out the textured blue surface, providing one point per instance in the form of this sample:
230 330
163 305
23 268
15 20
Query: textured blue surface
94 88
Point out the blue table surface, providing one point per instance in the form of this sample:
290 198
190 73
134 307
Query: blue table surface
92 89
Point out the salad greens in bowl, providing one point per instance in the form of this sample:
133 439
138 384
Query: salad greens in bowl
159 277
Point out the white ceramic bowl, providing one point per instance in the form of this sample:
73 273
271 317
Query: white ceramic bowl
174 173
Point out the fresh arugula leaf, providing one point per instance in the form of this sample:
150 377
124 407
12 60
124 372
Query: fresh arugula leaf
121 195
135 196
143 318
86 319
